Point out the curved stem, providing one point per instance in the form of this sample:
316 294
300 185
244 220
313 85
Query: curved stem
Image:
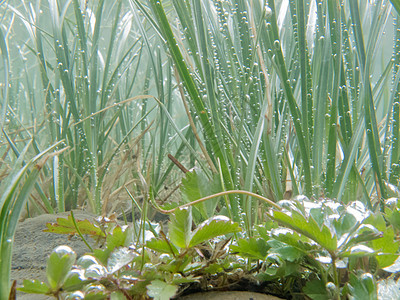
79 231
266 200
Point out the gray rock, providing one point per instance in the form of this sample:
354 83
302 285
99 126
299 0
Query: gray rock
229 296
32 247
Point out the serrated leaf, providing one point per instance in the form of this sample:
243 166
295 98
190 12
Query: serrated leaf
363 287
264 229
387 244
291 238
34 287
211 228
394 217
318 214
315 289
160 290
66 226
196 185
344 224
251 248
214 269
385 259
365 233
59 264
119 258
179 228
307 227
117 238
161 246
377 221
287 252
358 251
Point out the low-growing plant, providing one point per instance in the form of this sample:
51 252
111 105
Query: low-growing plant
278 97
303 249
338 250
124 268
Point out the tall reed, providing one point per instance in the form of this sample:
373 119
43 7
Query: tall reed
82 80
292 97
275 97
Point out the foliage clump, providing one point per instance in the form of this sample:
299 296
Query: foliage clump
306 249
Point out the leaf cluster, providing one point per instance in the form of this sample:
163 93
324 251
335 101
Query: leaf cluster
125 269
318 250
334 250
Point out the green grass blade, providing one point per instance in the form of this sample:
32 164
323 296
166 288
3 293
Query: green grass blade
347 164
188 81
6 68
278 58
11 203
370 116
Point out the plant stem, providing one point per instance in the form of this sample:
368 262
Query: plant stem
270 202
335 275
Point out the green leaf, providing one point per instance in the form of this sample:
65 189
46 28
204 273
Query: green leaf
251 248
315 289
117 295
292 238
396 5
188 80
96 295
364 233
119 237
59 264
193 186
393 268
358 251
13 198
73 281
213 227
214 269
344 224
160 290
34 287
161 246
196 185
287 252
177 280
179 228
66 226
394 217
363 287
307 227
387 245
318 214
264 229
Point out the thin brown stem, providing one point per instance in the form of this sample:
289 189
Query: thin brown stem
193 126
177 163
